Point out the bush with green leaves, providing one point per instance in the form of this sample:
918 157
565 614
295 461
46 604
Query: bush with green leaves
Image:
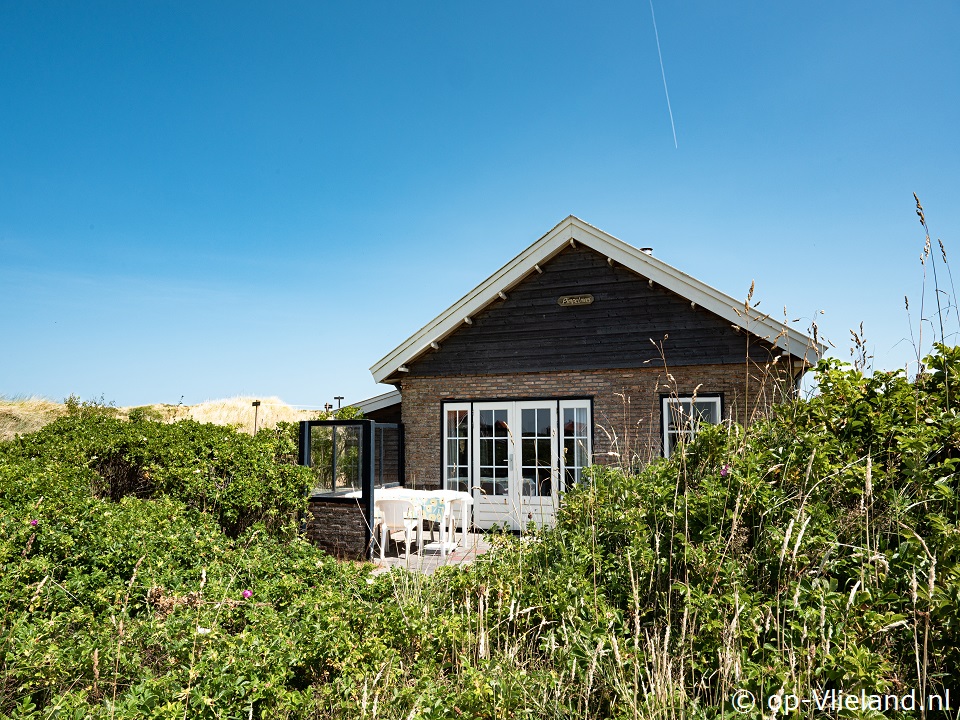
236 478
814 551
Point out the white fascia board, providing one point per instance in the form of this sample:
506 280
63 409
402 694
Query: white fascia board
378 402
648 266
474 301
709 298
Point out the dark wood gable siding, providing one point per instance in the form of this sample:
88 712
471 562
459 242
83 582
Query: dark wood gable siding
530 332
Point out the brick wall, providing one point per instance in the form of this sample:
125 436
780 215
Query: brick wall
339 528
626 405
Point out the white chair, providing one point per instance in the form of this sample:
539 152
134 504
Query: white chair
397 515
458 503
457 509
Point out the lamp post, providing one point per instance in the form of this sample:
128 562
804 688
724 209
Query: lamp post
256 409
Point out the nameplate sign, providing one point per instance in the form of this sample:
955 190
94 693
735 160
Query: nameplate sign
575 300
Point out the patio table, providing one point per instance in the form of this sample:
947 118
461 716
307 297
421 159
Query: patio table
421 497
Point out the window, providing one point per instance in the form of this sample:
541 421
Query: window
542 445
574 439
496 448
537 451
456 446
682 417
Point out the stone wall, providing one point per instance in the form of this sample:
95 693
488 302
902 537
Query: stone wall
340 528
626 405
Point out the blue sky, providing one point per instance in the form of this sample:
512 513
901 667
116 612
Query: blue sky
233 198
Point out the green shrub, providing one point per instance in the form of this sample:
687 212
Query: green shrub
238 479
817 550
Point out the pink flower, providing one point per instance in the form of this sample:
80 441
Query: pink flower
725 470
34 523
247 594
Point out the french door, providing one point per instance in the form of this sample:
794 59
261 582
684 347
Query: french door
516 458
514 463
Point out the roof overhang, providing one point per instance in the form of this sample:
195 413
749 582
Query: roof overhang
391 367
378 402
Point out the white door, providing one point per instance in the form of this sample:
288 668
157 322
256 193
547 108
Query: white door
537 482
515 463
517 458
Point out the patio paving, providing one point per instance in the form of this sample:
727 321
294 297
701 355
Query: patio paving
429 559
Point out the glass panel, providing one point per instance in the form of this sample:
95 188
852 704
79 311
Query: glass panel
321 454
348 458
457 455
543 452
544 426
528 454
463 481
529 484
500 452
536 455
683 416
493 458
672 441
487 486
575 442
486 423
580 458
545 485
528 422
536 482
501 485
679 415
707 411
581 422
486 452
335 458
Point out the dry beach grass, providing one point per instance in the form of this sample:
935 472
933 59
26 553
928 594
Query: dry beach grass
21 415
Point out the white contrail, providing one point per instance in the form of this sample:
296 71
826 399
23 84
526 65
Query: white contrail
664 74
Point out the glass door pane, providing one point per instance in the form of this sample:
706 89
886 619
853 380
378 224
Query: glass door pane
536 455
494 438
575 440
456 434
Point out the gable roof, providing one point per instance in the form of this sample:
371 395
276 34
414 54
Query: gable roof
573 229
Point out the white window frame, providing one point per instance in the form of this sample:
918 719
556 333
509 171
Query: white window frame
667 403
586 405
445 429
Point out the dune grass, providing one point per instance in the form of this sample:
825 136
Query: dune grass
23 415
238 411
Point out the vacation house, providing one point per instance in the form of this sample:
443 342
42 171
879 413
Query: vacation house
582 349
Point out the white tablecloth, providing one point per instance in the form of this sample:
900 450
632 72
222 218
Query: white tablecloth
421 496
